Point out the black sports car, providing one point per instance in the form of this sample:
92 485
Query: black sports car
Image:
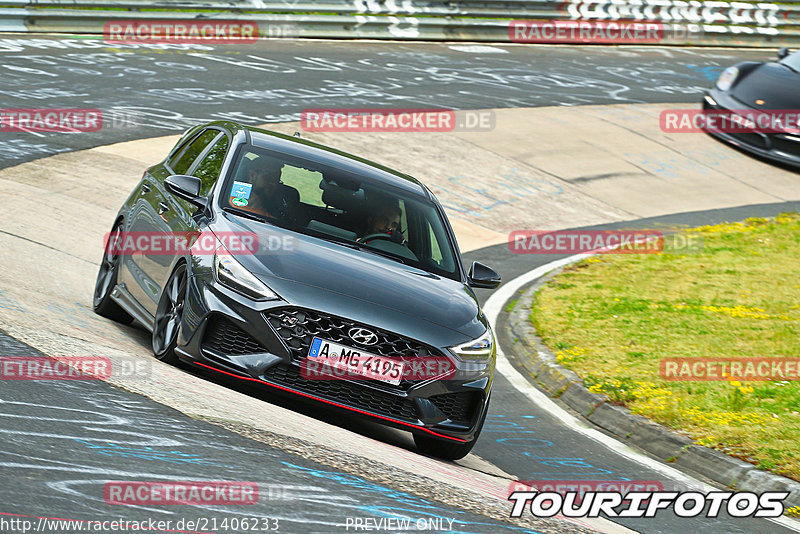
308 270
761 87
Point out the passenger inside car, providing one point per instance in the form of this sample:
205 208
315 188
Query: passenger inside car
269 197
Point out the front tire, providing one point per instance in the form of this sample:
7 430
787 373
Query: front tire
169 315
446 449
102 302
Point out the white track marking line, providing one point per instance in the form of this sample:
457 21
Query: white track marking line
492 311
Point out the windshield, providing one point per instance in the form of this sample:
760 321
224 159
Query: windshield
331 204
792 61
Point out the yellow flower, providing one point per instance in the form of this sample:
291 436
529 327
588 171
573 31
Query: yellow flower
746 389
735 383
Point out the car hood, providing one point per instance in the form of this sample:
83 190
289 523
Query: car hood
777 85
310 272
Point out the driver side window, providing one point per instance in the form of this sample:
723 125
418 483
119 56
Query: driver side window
209 168
181 162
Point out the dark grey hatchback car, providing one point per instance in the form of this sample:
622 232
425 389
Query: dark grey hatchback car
310 271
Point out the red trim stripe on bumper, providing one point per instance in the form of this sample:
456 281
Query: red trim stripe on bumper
415 427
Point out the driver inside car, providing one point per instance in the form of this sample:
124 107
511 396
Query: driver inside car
384 221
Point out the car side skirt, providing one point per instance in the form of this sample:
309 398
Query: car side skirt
127 302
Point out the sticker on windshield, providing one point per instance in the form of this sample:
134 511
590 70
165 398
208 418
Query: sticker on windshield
241 190
236 201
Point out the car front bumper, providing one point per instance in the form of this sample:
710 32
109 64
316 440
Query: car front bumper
227 333
782 148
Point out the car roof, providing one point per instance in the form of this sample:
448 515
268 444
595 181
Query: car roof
326 155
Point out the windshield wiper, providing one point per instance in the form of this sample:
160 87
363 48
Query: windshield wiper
247 214
385 254
361 246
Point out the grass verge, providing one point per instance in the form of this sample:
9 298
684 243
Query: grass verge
612 319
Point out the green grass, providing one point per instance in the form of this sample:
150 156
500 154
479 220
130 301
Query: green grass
612 318
510 305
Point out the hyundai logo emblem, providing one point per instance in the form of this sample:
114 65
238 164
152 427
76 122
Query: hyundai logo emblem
362 336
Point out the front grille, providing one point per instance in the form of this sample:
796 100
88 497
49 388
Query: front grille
224 337
458 407
297 327
344 392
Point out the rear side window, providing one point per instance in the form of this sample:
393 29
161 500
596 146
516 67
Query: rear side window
186 156
208 169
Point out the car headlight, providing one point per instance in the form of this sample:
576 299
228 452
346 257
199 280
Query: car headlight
479 349
232 274
726 79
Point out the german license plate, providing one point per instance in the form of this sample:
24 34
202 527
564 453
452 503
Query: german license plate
355 362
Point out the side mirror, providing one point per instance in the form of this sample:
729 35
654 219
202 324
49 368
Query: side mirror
482 276
187 188
783 52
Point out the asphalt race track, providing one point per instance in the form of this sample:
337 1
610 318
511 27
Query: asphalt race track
146 90
63 440
104 434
